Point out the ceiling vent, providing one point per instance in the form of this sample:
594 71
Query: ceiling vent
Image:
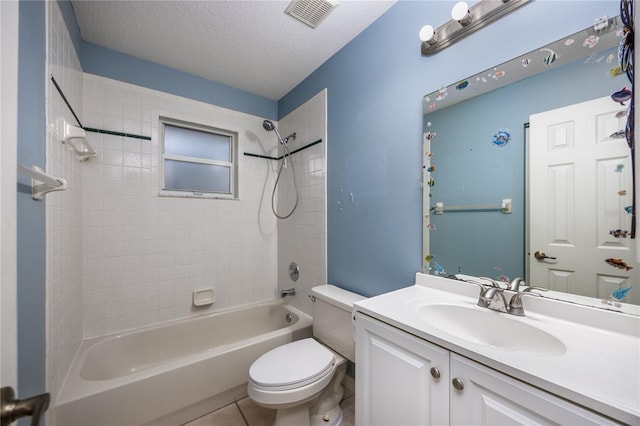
311 12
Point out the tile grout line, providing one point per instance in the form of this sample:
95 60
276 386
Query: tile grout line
246 422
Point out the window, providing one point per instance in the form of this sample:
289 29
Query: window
197 160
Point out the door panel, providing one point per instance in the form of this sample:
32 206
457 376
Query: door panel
580 184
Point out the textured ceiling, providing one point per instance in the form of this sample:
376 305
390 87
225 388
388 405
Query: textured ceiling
249 45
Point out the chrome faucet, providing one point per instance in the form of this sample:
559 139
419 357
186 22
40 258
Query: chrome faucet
515 304
287 292
492 296
515 284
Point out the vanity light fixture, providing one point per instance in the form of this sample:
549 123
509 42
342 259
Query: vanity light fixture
75 137
465 20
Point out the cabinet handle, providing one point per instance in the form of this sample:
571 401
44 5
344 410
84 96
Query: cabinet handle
435 373
457 384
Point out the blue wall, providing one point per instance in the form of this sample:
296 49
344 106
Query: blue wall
31 214
471 170
375 87
119 66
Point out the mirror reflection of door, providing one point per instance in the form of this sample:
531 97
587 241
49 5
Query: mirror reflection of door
573 150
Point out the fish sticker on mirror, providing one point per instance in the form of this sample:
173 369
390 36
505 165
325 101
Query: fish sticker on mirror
622 192
431 168
619 168
618 263
621 96
526 62
438 270
616 71
461 85
431 227
591 41
430 135
617 296
617 135
628 209
550 58
619 233
501 138
442 94
431 183
498 74
569 41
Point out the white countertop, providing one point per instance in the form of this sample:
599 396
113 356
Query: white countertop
600 369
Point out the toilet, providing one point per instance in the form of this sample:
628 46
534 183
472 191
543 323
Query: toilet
302 380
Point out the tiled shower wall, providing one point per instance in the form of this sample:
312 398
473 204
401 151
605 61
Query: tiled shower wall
143 255
63 208
302 237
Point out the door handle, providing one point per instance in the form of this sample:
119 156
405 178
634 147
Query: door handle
12 409
540 255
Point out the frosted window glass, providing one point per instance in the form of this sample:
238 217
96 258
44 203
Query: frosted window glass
185 176
196 143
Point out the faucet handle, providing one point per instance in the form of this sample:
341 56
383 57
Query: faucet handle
515 304
492 282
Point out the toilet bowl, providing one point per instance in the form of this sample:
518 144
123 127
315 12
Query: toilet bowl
302 380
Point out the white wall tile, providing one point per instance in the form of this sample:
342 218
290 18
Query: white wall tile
148 253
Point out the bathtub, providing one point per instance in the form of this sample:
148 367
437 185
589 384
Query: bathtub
174 372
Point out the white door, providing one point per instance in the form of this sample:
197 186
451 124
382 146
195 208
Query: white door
400 379
580 184
482 396
8 147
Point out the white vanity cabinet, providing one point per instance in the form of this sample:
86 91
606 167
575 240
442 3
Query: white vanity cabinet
404 380
400 379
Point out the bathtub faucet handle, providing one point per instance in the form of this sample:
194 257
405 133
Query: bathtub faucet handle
287 292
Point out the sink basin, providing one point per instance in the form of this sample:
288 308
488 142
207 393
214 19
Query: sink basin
491 328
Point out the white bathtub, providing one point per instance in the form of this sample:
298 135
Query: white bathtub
174 372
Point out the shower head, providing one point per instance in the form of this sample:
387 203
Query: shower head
268 125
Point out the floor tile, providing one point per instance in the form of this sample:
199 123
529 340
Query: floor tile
348 411
256 415
225 416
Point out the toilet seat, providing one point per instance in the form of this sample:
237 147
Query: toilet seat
293 365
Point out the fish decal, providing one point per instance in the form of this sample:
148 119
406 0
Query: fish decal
619 168
628 209
501 138
619 233
622 192
618 263
620 293
616 71
622 95
550 58
462 85
438 269
617 135
591 41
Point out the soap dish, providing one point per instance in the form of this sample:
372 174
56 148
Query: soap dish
204 297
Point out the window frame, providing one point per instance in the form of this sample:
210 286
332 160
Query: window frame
232 165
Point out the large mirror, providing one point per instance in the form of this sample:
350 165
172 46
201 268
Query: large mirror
487 188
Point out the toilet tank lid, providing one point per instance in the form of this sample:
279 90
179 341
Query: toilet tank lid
336 296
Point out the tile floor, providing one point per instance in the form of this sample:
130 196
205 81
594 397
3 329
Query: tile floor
246 413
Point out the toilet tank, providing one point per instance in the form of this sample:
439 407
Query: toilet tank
332 324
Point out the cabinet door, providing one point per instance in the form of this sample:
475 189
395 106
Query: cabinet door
492 398
394 380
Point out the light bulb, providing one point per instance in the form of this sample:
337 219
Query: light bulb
460 13
427 33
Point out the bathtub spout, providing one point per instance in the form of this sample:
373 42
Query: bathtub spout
287 292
